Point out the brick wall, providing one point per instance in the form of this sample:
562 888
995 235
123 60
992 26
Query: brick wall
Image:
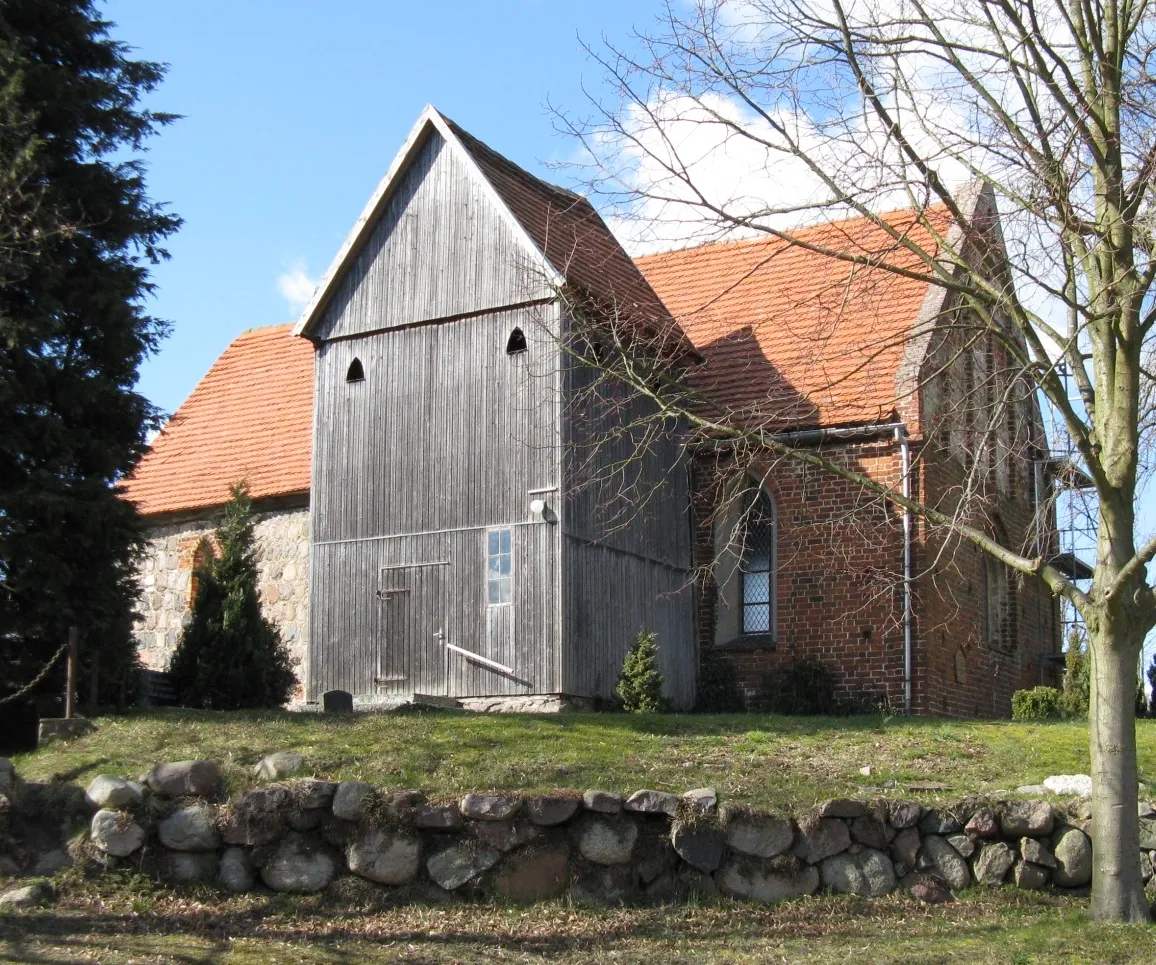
966 671
839 588
839 573
984 630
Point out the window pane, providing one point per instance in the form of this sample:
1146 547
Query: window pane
757 567
757 618
756 587
758 559
499 565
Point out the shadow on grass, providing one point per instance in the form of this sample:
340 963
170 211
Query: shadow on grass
88 933
588 933
363 924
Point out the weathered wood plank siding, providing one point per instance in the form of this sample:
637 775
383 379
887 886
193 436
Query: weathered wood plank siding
444 438
395 642
446 430
627 539
611 596
442 248
627 483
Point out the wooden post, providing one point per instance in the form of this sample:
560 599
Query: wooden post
73 657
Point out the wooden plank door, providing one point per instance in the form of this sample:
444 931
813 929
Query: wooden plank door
411 630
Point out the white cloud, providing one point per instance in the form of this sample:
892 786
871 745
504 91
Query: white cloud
296 287
687 157
685 146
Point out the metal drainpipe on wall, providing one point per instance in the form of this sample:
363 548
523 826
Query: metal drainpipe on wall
905 465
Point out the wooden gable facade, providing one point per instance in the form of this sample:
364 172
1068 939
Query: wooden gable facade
453 552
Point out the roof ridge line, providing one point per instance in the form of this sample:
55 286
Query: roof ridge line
766 238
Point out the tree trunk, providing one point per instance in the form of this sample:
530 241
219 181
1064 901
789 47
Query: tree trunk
1117 890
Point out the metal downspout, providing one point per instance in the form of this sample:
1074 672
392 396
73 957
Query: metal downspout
905 464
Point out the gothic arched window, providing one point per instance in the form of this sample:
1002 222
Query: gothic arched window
757 589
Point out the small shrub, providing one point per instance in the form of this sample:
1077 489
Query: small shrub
805 687
862 703
640 684
1075 695
718 686
1039 703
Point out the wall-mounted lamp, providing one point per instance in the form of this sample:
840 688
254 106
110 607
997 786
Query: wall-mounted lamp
541 510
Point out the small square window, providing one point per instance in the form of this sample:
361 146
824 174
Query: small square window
499 567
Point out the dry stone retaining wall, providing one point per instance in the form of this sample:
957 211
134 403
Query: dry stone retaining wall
301 835
166 572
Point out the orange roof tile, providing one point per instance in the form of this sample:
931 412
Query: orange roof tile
250 417
793 338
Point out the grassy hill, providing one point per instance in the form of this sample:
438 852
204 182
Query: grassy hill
758 759
770 761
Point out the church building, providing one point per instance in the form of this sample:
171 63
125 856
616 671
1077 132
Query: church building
443 513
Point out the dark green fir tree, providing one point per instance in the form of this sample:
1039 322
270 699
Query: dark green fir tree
229 656
78 234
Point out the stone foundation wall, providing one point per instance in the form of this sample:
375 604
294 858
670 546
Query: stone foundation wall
303 835
166 581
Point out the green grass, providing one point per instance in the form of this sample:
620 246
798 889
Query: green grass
770 761
135 922
757 759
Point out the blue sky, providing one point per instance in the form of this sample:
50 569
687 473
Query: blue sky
293 111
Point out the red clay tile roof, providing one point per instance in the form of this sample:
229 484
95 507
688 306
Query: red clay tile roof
576 241
250 417
792 338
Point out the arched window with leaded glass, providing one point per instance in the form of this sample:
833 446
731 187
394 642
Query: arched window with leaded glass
757 567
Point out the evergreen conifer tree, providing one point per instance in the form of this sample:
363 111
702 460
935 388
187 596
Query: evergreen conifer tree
78 233
640 684
229 656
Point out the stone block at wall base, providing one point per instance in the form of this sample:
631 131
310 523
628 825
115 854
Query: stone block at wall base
63 728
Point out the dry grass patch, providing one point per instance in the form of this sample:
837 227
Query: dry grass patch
131 920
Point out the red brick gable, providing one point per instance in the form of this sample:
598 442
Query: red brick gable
250 417
791 337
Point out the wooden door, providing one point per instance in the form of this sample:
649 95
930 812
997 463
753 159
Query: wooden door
411 629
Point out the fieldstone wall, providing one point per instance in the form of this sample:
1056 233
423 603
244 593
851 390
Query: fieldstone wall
302 835
166 581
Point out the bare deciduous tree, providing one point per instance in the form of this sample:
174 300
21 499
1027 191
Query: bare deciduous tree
836 107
